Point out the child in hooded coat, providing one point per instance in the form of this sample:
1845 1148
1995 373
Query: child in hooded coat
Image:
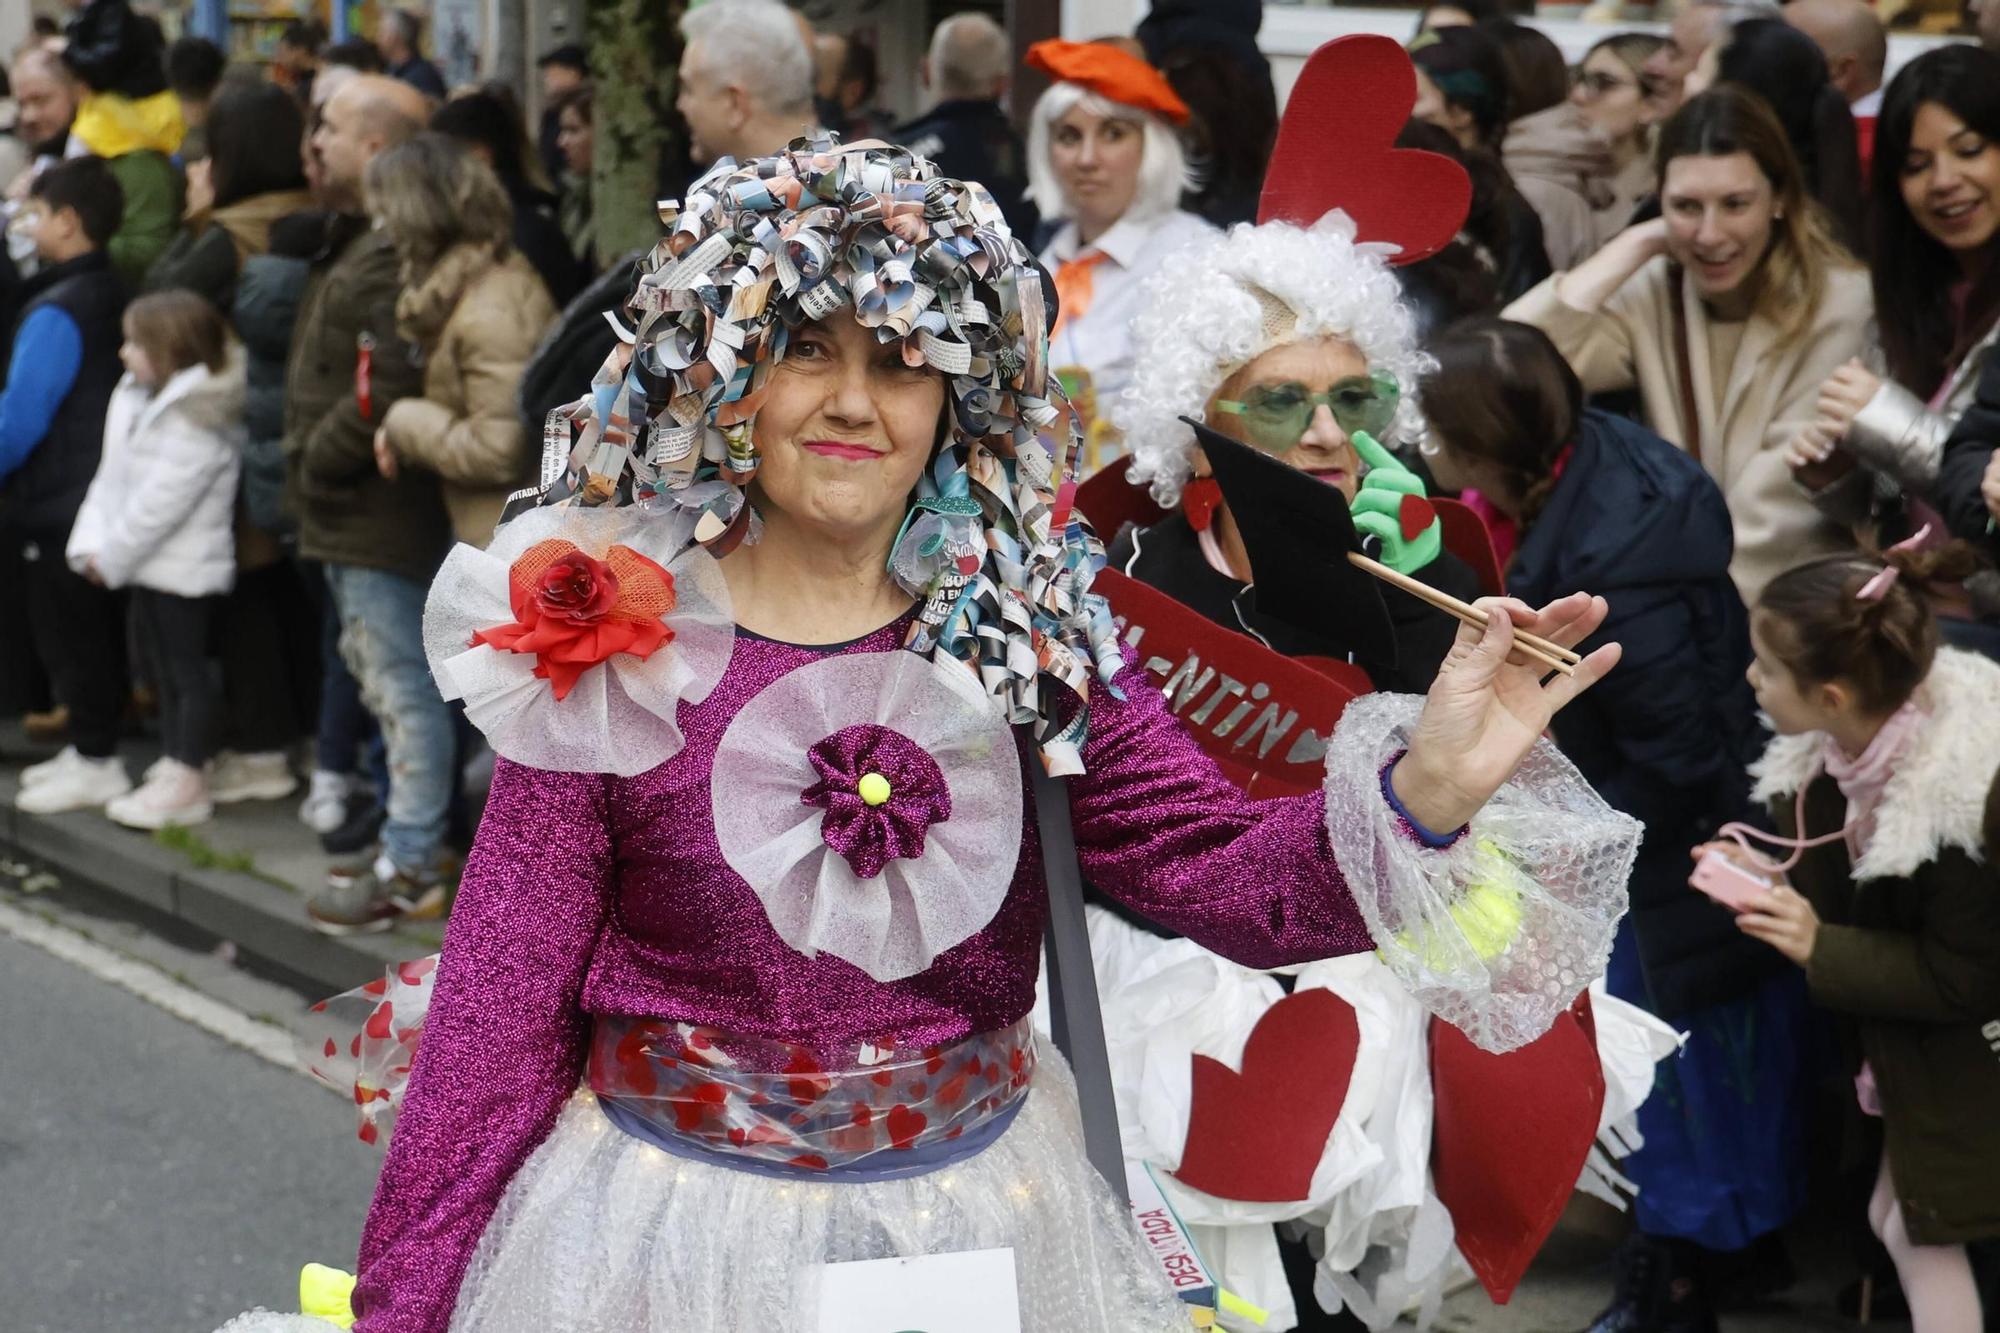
159 518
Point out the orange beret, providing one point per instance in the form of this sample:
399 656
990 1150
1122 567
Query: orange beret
1110 73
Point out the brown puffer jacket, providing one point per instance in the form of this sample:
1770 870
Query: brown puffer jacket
477 318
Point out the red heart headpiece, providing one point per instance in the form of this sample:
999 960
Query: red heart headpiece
1336 149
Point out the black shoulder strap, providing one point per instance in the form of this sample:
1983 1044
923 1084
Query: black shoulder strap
1073 1008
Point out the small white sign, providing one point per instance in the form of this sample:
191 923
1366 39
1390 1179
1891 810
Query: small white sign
969 1292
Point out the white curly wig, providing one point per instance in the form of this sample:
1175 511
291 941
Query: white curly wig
1204 320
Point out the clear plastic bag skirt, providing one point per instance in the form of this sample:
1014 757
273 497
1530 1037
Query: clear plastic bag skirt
602 1232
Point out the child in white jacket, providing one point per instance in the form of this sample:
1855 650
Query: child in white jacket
159 518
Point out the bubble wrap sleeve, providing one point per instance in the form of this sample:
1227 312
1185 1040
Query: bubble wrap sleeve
1161 830
503 1043
1497 933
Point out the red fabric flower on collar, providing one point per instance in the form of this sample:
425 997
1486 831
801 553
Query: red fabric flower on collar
572 611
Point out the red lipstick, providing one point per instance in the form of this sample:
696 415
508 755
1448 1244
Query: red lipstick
840 449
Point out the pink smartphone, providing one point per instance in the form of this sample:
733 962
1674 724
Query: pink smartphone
1728 882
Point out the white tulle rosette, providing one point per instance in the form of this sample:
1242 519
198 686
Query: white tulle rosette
619 585
1498 933
889 763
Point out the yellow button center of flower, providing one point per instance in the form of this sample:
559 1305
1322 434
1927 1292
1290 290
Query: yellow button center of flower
874 788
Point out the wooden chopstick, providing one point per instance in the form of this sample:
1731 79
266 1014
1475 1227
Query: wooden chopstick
1553 655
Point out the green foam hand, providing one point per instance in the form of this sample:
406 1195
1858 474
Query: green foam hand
1393 507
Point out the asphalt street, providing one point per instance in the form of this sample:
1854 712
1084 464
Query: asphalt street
153 1177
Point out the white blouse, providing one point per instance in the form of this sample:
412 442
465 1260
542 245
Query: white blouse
1092 352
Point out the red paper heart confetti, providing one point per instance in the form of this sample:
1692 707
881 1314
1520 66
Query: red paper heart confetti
1258 1135
1505 1174
1336 149
1416 515
905 1125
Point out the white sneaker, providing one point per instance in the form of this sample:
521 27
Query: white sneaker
266 776
154 769
85 784
34 775
325 806
177 795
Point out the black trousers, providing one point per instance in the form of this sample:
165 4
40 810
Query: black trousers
24 685
180 634
79 634
269 641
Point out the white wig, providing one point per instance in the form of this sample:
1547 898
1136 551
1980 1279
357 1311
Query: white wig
1225 302
1164 174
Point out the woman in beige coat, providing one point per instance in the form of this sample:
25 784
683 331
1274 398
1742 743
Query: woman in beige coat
1726 314
476 309
1585 163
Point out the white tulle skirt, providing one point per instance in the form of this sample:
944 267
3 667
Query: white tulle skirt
601 1232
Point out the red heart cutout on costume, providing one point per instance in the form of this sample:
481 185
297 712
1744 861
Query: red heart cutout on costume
1510 1138
1258 1135
416 970
1416 514
1336 149
378 1022
905 1125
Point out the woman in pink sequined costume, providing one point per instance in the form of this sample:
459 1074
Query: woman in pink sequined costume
736 983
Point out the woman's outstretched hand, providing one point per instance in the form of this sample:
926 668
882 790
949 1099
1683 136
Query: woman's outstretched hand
1489 705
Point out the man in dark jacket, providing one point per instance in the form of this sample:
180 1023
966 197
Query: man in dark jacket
63 368
380 538
401 38
967 133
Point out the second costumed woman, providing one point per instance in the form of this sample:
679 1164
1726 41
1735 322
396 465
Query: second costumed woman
1294 340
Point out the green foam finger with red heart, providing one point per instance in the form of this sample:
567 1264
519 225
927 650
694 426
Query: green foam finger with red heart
1393 507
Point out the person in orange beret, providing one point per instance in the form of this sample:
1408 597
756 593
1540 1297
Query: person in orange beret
1105 161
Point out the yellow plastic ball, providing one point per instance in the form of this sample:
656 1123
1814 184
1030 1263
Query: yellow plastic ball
874 788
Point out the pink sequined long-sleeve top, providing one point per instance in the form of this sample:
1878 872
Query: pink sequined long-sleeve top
588 895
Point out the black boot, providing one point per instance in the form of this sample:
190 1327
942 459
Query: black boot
1659 1291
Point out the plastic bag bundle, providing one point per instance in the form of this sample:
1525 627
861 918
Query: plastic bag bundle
1498 933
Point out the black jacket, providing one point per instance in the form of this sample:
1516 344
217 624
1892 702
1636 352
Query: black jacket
420 74
43 495
972 140
1669 735
1966 455
539 238
1168 556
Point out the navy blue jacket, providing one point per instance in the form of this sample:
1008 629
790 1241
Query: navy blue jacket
1966 456
972 140
1668 736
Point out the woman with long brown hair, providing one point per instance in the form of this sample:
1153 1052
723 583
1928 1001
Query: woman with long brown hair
1726 314
477 308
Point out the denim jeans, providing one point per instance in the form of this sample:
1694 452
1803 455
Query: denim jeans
382 640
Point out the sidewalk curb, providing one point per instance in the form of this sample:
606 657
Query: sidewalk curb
261 918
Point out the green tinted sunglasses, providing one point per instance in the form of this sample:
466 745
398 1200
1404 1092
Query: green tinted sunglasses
1276 415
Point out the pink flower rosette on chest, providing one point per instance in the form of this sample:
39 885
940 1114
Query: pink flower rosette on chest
574 638
872 802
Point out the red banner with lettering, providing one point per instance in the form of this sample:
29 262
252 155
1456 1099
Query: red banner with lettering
1263 717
